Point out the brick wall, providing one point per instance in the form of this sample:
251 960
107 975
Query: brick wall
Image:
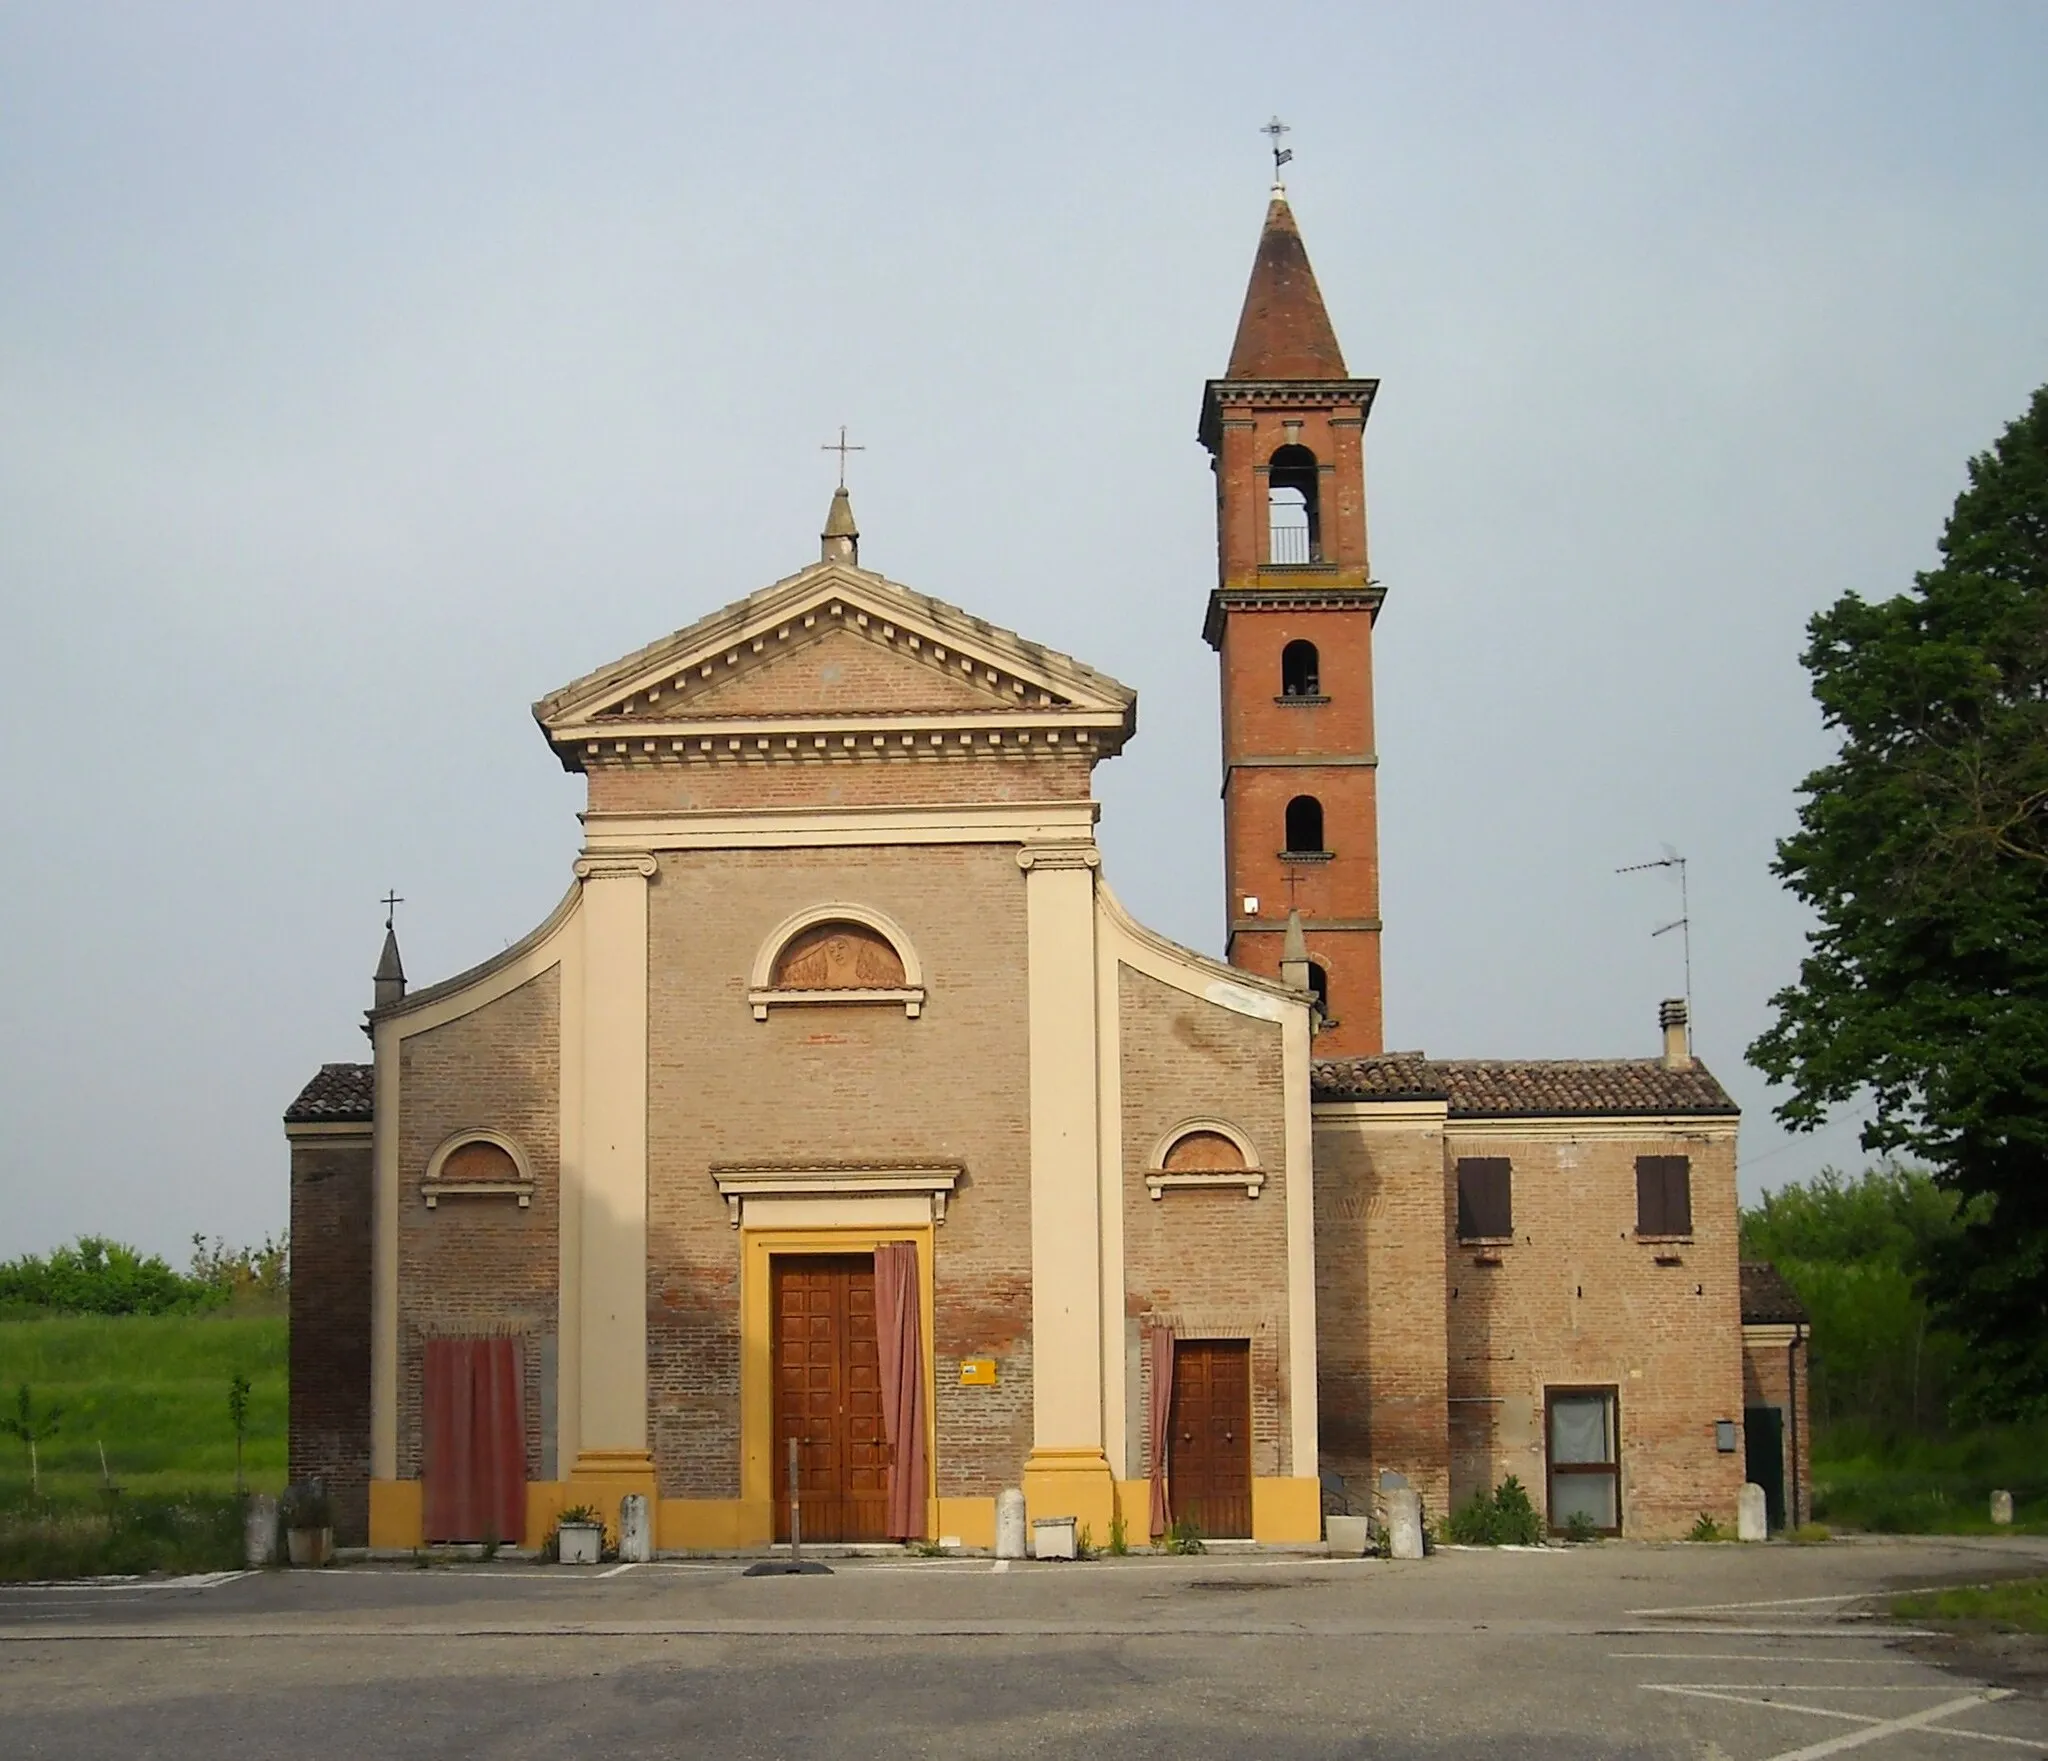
1577 1300
1380 1307
329 1353
1768 1371
742 784
838 1084
481 1265
1213 1264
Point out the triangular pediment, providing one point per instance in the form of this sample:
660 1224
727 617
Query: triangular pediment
832 643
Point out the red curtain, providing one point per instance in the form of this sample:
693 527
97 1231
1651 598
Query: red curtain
475 1441
1159 1344
899 1333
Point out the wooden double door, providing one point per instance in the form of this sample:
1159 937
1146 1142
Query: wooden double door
1209 1436
828 1397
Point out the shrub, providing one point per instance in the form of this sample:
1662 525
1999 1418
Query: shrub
118 1536
1579 1528
1185 1537
1119 1536
1504 1518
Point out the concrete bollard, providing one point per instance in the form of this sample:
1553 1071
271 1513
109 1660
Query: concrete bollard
2001 1508
1404 1523
1010 1524
636 1529
1752 1514
259 1532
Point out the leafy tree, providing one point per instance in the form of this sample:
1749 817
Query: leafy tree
1923 851
1853 1248
98 1277
31 1430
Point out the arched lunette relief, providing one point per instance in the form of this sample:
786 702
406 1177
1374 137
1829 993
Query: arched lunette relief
835 954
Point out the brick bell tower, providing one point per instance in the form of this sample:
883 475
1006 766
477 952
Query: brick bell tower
1291 620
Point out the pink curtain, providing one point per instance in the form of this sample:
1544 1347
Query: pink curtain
1159 1345
899 1333
474 1440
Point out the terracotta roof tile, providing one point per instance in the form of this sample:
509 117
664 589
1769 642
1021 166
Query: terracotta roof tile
339 1093
1767 1299
1525 1088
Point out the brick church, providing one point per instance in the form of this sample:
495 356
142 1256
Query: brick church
840 1112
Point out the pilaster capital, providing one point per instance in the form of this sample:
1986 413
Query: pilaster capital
1035 856
616 865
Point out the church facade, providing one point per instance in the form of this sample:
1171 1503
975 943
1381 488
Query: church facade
841 1130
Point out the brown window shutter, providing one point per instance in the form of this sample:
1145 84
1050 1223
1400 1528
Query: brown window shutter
1663 1195
1485 1198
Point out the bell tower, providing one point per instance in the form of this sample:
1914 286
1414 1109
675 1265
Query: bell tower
1291 620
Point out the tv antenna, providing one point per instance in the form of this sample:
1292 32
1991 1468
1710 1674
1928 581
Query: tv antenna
1682 922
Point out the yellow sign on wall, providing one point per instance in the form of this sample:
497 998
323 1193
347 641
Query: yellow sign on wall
977 1372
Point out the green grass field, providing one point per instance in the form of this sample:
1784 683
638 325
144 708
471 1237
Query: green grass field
153 1389
1931 1486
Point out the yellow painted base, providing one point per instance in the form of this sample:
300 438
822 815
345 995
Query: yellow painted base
602 1477
970 1521
1287 1511
397 1514
1134 1500
1071 1482
711 1525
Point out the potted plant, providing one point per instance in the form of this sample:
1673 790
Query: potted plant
308 1518
579 1536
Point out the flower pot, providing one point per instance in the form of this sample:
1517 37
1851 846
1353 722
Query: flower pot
580 1543
1349 1536
309 1546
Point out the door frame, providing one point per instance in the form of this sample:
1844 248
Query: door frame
1611 1393
1250 1419
757 1348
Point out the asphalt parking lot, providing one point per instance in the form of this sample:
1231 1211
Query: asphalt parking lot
1739 1654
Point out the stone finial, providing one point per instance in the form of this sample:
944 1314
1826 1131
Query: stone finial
840 541
1671 1016
389 984
1294 955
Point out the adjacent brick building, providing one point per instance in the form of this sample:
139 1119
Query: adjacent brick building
840 1124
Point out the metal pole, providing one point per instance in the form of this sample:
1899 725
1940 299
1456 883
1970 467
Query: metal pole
796 1512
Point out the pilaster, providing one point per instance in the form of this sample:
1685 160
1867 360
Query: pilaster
612 1456
1068 1472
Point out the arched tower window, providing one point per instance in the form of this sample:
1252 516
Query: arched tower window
1319 982
1304 826
1296 529
1300 670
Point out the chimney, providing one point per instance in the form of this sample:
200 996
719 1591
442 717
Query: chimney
1677 1041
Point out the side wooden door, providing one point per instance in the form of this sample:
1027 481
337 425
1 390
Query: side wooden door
828 1397
1209 1436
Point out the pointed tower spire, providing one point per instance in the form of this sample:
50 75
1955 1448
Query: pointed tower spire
1284 331
1294 954
840 541
388 986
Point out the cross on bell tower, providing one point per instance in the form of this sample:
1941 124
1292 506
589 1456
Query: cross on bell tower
1291 619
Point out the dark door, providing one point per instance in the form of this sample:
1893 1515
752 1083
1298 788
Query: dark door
1209 1436
828 1396
1763 1457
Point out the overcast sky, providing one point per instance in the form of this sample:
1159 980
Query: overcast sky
368 371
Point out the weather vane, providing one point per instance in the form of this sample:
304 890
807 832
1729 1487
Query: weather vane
1276 128
842 449
391 902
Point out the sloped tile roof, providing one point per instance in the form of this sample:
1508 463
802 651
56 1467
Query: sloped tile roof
1284 331
1525 1088
339 1093
1767 1299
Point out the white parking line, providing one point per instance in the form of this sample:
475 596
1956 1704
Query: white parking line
1873 1729
1751 1657
1735 1607
204 1580
619 1571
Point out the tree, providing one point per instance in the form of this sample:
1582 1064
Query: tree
32 1430
238 1416
1923 852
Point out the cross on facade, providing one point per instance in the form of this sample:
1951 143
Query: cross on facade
1275 129
391 902
842 449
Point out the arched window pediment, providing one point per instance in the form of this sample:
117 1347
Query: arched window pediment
836 954
1203 1153
478 1164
